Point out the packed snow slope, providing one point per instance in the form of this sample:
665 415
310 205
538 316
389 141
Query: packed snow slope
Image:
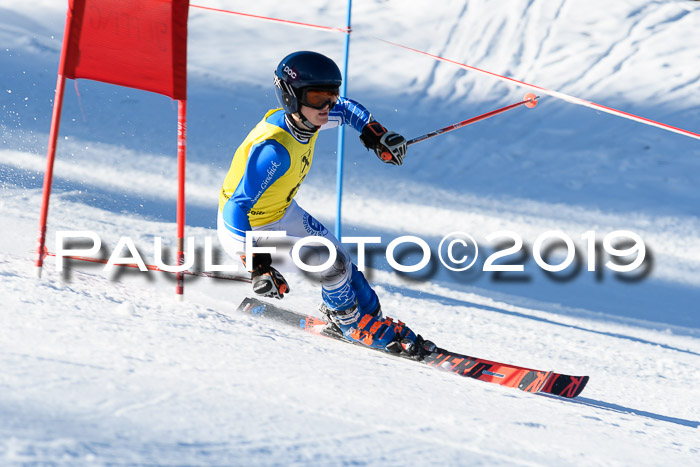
106 368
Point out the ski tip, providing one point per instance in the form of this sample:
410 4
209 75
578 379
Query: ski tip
565 385
581 385
532 98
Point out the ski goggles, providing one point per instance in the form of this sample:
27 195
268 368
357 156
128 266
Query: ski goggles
320 98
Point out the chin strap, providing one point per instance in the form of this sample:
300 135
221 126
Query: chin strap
307 123
304 133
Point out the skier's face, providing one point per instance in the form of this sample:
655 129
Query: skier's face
317 117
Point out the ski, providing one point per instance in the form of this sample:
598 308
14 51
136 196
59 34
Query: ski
525 379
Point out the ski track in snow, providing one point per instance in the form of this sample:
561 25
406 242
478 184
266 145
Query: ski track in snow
105 369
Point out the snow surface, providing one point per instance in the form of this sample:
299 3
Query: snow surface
104 369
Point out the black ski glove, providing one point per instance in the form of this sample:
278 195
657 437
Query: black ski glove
267 281
389 146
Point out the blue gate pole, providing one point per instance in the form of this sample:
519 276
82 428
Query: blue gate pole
341 132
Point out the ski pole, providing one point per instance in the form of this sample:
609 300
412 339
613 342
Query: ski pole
530 100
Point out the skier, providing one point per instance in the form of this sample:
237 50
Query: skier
265 174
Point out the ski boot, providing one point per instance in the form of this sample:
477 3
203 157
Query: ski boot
377 332
335 316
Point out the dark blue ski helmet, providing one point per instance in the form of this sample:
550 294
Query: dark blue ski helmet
303 70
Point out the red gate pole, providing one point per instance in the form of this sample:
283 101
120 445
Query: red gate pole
48 174
181 158
51 153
